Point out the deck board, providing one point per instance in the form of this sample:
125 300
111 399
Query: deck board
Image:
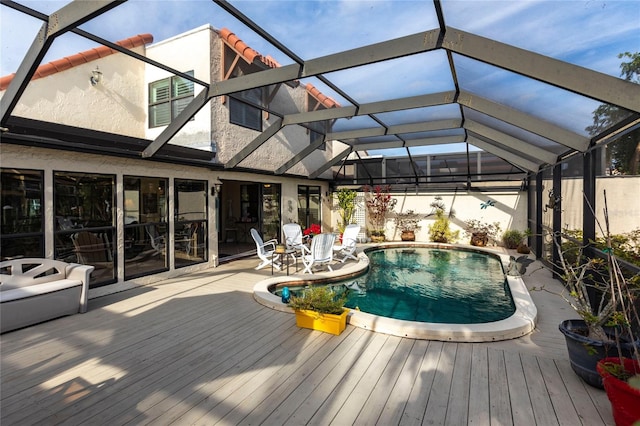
416 404
379 397
198 349
540 398
478 409
401 392
521 408
363 354
436 411
499 401
355 402
457 409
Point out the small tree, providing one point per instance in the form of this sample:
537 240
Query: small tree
347 204
440 231
623 154
379 203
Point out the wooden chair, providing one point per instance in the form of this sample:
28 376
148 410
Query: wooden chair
90 248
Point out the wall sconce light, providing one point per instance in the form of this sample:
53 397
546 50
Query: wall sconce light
96 76
216 187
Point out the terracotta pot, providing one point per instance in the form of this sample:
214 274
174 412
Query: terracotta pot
523 249
479 239
625 400
377 238
408 236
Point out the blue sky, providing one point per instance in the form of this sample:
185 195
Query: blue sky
589 33
571 30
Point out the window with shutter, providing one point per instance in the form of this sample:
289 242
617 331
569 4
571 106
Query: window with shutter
167 98
245 115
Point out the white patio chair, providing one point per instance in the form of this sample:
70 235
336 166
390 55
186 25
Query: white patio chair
157 241
320 253
347 249
266 251
293 237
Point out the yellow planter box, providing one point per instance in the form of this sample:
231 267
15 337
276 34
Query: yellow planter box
329 323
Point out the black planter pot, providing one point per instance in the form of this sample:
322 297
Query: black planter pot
584 353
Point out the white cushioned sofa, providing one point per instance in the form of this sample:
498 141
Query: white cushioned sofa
36 290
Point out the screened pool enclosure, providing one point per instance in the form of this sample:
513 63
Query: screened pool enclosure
424 96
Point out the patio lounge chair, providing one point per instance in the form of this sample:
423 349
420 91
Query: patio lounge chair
266 251
320 253
347 249
293 237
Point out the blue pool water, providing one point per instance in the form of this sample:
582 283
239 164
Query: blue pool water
430 285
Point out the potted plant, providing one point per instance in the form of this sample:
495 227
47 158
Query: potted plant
621 378
320 308
376 235
313 229
379 202
514 239
440 230
621 374
408 222
481 233
591 289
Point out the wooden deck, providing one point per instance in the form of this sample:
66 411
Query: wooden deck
200 350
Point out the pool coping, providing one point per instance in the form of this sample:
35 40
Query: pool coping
522 322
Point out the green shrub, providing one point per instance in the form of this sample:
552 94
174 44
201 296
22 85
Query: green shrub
320 299
512 238
440 231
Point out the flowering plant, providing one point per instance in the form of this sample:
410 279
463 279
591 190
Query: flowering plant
379 203
312 230
408 221
475 226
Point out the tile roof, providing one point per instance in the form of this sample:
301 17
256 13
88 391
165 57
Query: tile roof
251 55
323 99
80 58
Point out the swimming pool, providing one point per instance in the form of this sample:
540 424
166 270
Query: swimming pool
428 284
521 321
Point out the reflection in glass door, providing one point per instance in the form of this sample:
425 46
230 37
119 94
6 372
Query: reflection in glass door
191 224
308 205
271 211
85 222
145 226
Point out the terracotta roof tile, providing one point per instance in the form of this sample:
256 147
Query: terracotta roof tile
323 99
241 47
80 58
230 38
250 55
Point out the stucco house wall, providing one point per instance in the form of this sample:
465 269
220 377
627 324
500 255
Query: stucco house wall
201 50
189 51
117 104
49 160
